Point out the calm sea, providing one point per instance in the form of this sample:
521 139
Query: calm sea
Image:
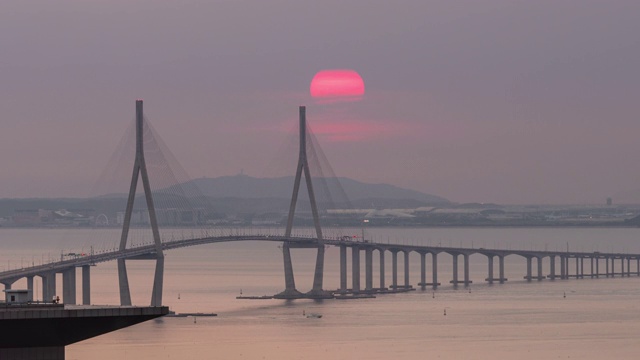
598 318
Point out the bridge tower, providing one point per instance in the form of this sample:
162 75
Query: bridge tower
303 166
140 169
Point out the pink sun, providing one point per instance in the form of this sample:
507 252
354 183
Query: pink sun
337 85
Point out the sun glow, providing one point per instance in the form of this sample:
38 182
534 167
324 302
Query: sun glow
337 85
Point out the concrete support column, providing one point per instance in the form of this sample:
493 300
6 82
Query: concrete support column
552 267
638 266
355 269
501 265
382 285
368 267
540 276
466 270
608 271
434 270
45 288
528 277
490 274
48 286
581 268
597 267
563 268
455 269
592 268
406 269
343 268
289 279
628 266
423 270
86 285
30 288
394 269
577 268
69 286
125 291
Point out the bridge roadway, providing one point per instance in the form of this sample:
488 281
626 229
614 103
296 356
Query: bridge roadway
68 267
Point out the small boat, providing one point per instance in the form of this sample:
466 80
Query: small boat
311 315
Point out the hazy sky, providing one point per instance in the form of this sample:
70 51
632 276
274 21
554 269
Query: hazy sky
489 101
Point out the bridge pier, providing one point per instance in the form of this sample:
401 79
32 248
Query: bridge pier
123 282
69 286
343 269
528 276
394 269
355 269
540 276
30 288
434 271
597 267
455 270
490 272
407 285
608 271
368 260
628 266
290 291
622 266
382 275
86 285
423 270
552 267
592 275
48 286
467 281
501 265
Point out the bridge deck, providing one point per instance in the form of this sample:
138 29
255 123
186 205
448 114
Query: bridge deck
142 251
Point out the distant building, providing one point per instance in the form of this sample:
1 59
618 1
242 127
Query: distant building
171 217
27 217
15 296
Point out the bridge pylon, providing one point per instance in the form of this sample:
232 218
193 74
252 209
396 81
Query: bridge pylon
290 291
140 169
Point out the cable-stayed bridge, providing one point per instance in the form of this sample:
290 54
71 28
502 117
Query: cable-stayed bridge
598 264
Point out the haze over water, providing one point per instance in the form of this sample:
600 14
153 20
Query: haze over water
475 101
598 319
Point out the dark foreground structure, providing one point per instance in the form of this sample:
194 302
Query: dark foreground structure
41 331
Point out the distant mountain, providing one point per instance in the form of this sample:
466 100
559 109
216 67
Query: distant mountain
247 187
242 194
